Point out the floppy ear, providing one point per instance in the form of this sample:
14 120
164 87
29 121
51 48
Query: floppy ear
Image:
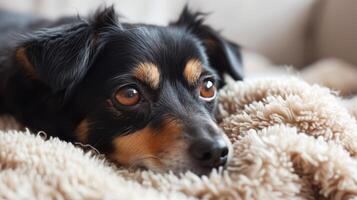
61 56
223 55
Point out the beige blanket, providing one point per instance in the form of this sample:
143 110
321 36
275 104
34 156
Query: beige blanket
291 141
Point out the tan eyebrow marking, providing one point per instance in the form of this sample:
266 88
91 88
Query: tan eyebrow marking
148 73
192 71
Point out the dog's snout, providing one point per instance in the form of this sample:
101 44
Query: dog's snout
210 153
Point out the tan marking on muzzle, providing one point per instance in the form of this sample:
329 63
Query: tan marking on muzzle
146 143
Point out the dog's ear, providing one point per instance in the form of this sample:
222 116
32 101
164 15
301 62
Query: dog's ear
224 56
61 56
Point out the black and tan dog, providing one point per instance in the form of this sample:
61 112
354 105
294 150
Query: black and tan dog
143 95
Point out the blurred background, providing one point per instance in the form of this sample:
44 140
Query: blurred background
316 39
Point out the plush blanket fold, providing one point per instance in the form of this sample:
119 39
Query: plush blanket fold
291 140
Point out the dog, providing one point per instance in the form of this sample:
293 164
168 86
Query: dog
143 95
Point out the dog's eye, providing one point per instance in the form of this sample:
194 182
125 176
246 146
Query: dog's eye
127 96
208 89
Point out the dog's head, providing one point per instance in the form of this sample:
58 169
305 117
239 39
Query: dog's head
144 95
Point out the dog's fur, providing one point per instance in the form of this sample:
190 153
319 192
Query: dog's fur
63 79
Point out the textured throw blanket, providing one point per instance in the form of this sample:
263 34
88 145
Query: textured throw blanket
291 140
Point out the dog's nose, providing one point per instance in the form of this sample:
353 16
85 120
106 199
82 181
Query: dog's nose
210 153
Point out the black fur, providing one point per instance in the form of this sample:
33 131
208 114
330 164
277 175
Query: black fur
80 63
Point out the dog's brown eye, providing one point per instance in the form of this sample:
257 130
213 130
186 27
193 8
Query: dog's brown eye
127 96
208 90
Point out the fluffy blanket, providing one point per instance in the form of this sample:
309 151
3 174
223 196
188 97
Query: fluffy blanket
291 140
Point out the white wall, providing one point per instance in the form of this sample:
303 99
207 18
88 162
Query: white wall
337 32
278 29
